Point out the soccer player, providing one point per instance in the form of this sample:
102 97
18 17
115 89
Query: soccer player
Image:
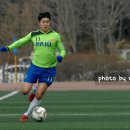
43 67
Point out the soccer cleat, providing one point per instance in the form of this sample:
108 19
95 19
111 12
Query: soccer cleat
32 94
24 118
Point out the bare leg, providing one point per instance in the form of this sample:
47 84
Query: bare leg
26 87
42 87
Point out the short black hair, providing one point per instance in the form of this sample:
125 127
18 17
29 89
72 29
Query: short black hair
44 15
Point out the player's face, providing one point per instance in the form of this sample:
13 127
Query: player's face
45 24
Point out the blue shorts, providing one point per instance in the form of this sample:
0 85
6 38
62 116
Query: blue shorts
41 75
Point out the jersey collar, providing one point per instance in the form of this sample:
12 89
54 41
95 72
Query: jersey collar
45 32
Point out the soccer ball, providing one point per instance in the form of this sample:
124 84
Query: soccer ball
39 114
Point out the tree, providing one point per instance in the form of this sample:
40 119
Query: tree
68 20
103 15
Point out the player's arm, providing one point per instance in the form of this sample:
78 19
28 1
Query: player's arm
21 42
61 49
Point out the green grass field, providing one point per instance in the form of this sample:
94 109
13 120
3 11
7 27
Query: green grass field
71 110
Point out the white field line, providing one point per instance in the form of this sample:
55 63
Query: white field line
8 95
73 114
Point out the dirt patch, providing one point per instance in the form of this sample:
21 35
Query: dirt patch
62 86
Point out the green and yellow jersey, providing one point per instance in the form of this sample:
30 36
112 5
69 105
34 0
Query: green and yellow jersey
45 45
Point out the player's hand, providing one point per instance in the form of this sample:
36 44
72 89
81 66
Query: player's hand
59 58
4 49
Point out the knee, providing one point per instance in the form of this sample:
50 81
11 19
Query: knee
25 88
39 96
25 92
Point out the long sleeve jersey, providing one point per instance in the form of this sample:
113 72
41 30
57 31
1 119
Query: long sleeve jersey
45 45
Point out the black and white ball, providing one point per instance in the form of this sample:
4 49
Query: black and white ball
39 114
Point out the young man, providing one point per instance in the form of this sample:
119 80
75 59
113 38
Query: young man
43 67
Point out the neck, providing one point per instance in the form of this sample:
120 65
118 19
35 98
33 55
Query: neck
45 31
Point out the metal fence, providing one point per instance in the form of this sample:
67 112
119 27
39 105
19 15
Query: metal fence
12 73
